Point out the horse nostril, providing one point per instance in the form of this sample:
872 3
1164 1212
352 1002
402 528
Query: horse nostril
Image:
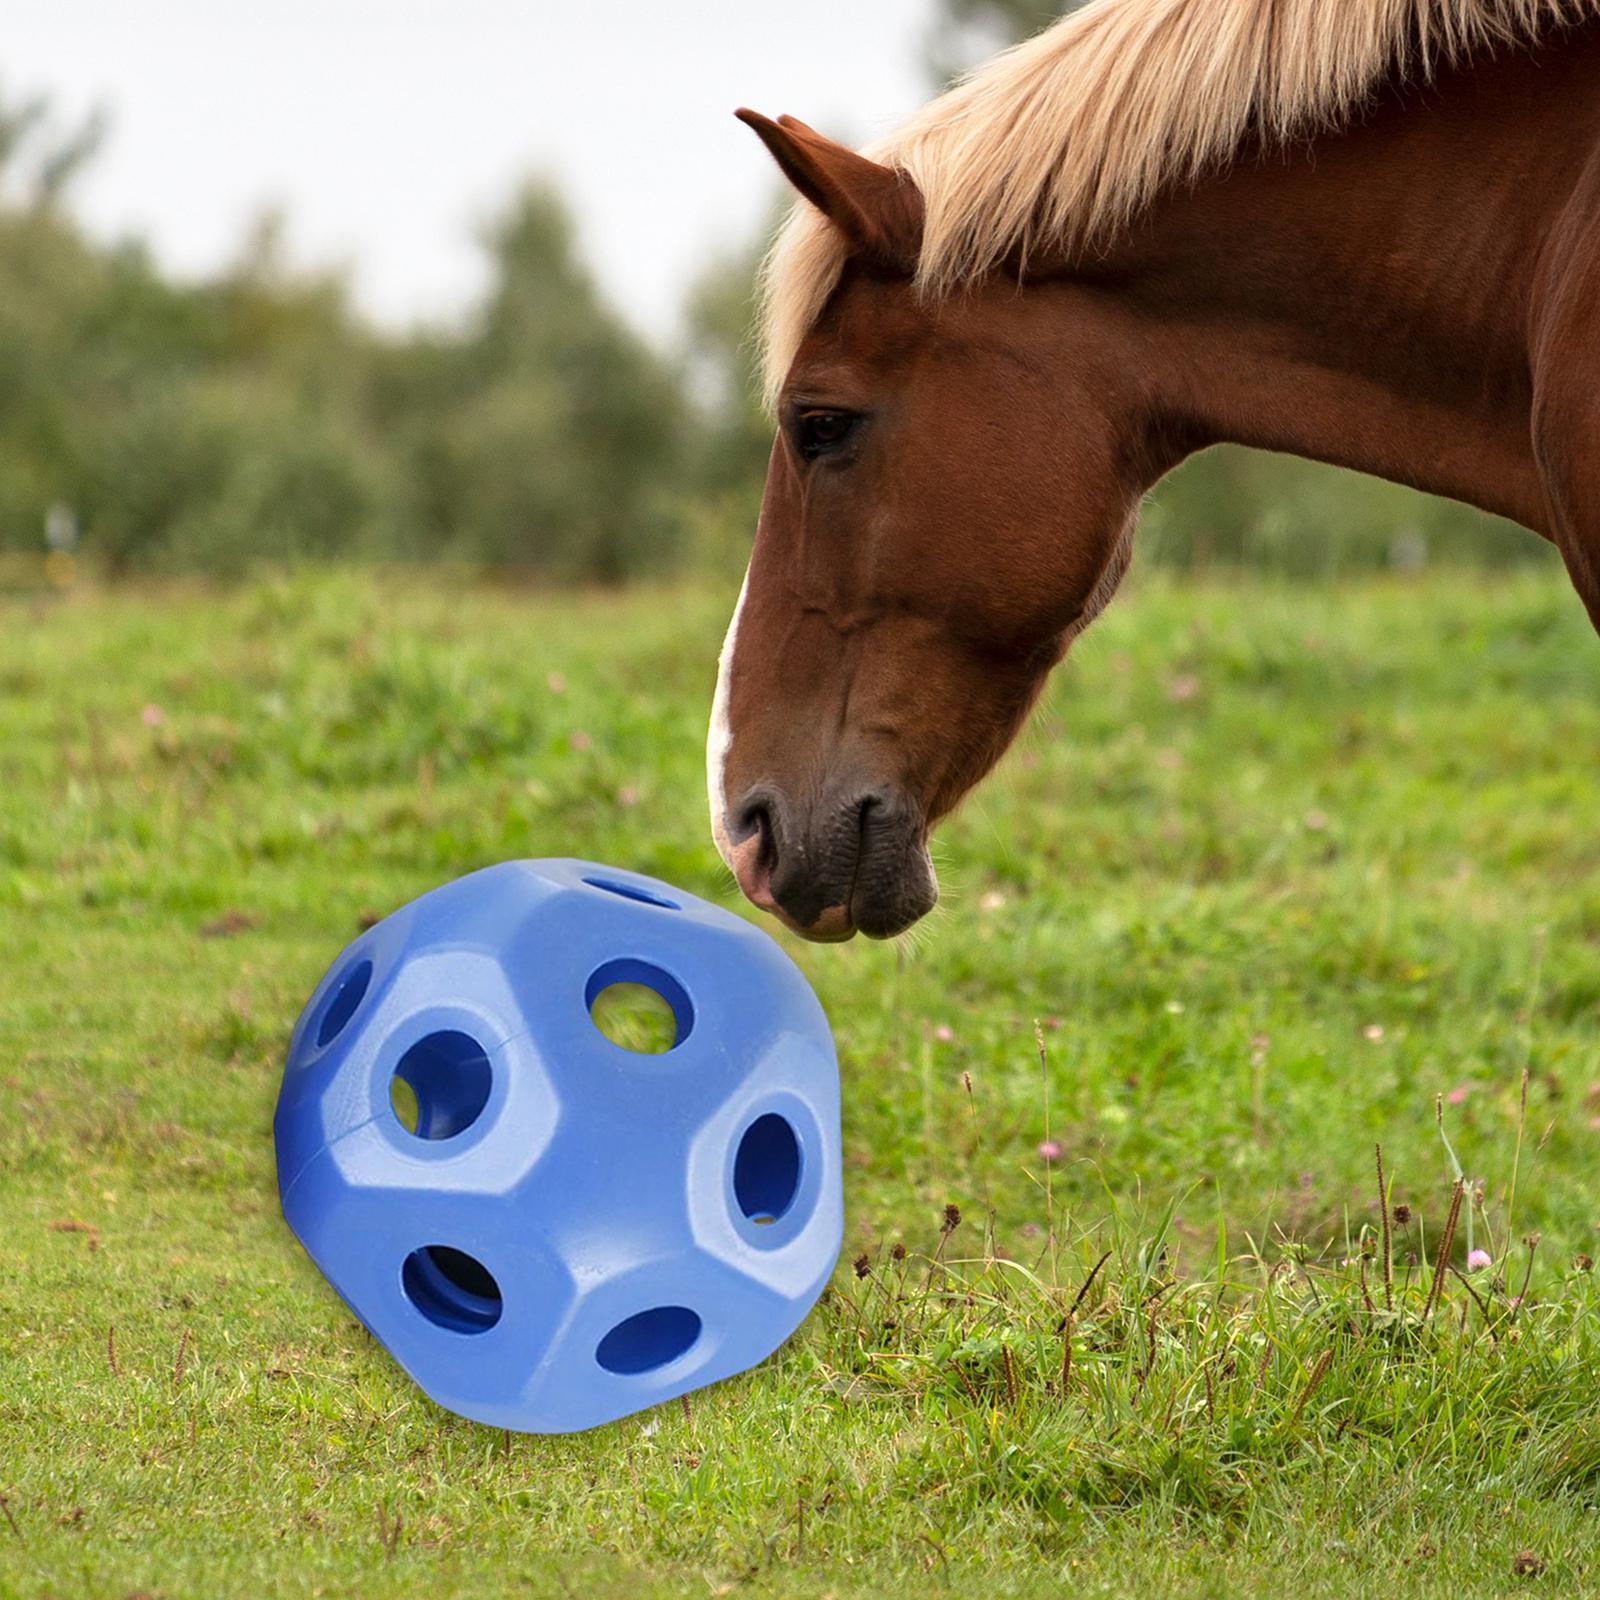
767 848
870 810
755 817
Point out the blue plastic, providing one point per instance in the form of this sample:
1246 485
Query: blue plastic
563 1231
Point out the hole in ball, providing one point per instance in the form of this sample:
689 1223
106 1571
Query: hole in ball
766 1169
633 891
349 992
441 1085
403 1098
638 1006
648 1340
451 1289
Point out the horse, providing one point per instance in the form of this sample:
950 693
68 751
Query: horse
1362 231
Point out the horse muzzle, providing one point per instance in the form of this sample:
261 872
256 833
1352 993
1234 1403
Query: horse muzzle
855 861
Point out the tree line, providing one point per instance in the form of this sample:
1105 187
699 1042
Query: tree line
172 426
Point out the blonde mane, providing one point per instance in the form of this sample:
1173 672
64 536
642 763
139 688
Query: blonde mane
1061 140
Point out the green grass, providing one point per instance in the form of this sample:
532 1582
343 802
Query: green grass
1274 869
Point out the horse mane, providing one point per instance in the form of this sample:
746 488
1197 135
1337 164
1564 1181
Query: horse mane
1060 141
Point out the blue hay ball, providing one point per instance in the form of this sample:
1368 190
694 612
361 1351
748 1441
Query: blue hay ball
545 1229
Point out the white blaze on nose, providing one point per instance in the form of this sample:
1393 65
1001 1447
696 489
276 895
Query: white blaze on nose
720 737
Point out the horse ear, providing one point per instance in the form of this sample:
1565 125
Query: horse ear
877 208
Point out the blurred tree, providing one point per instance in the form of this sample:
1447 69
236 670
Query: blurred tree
255 417
38 158
965 32
729 458
551 435
1010 19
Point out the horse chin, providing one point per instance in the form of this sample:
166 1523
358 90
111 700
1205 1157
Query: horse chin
885 906
885 915
834 926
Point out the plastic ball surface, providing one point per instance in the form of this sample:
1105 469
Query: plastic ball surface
548 1230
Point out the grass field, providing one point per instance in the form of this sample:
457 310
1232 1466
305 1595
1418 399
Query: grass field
1277 871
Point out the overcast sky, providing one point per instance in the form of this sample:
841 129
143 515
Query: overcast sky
388 128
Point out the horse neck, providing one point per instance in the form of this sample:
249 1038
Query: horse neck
1365 300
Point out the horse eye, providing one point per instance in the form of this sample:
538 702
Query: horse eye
820 431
